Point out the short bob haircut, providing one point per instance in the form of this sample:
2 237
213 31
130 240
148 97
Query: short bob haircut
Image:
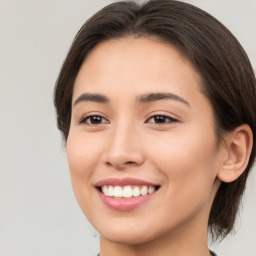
227 77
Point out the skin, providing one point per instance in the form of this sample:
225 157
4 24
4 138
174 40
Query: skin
182 156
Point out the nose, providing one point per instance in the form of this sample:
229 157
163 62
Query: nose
124 149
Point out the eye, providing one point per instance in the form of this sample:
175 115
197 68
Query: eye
161 119
93 120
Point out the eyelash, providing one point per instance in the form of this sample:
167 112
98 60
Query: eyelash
90 116
171 119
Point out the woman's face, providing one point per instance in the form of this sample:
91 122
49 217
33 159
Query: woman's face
141 149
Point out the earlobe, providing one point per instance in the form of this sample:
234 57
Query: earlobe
238 150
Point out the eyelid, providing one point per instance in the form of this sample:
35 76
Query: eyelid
164 114
83 119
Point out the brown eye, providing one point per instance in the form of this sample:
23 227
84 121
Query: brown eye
161 119
94 119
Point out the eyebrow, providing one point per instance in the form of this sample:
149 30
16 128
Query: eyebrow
91 97
150 97
145 98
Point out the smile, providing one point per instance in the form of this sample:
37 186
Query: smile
127 191
125 194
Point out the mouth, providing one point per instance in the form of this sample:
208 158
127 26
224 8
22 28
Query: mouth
127 191
125 194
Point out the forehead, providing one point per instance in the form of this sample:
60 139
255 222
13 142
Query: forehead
122 64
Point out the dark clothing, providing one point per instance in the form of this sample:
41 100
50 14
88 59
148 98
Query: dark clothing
212 253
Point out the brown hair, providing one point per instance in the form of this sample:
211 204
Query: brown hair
227 77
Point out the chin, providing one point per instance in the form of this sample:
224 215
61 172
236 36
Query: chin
128 238
126 235
130 235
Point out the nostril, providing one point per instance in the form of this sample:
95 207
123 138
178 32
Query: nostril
130 162
108 163
121 165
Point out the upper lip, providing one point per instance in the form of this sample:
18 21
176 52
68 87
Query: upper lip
123 182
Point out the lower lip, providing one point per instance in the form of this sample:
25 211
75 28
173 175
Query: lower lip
124 204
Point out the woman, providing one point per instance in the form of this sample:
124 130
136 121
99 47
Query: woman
156 104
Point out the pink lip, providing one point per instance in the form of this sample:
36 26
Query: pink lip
123 182
123 204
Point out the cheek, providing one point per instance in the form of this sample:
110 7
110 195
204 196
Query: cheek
82 154
189 172
189 162
82 161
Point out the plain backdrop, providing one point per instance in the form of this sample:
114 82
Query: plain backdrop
39 215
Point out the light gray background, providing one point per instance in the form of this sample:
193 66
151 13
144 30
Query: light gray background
38 211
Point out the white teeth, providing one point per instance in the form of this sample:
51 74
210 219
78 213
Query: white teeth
136 191
144 190
118 192
127 191
105 190
110 191
151 189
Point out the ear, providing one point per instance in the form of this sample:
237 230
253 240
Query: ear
238 150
